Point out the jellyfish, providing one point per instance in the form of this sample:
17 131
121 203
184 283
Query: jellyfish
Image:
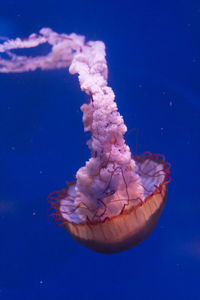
116 199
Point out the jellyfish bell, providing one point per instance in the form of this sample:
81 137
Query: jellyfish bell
123 218
116 200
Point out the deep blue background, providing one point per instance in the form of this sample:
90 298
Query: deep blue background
154 62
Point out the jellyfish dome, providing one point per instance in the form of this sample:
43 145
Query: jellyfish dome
116 200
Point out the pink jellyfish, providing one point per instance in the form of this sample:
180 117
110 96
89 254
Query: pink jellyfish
116 200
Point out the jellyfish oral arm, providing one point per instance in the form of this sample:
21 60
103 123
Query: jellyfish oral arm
60 56
111 166
109 173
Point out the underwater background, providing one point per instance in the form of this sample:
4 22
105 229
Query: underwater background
153 54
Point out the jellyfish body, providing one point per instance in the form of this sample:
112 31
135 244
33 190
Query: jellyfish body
116 199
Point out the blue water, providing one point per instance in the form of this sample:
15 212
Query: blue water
154 68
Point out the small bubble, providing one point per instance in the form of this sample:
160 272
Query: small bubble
170 103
